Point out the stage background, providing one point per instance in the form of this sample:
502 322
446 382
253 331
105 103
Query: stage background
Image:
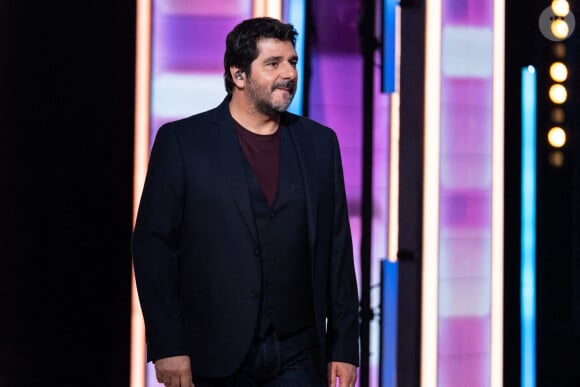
66 154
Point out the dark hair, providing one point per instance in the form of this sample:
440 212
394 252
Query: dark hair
242 43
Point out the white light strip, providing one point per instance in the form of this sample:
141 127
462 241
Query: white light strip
497 209
141 155
271 8
394 145
393 230
431 160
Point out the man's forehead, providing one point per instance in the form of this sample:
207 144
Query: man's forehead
271 45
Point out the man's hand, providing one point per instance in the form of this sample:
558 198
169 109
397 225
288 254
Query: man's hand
345 372
174 371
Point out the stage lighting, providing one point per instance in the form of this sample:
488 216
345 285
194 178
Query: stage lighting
556 158
560 8
559 50
558 115
557 137
558 94
558 72
559 28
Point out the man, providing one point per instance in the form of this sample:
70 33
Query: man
242 246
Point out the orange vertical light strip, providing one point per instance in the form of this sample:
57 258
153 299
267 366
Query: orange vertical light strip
271 8
141 156
259 8
497 216
431 162
394 156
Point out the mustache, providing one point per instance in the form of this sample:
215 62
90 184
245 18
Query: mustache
290 85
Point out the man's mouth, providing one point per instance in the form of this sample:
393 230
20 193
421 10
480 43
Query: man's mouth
288 87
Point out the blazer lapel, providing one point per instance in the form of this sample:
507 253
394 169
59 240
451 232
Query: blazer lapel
229 156
306 157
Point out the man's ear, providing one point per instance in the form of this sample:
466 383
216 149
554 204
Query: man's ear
238 76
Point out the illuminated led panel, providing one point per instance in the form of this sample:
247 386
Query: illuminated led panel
460 244
187 47
465 194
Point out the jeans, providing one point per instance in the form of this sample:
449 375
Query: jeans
292 361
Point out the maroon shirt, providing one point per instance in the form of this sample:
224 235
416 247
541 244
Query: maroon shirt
263 153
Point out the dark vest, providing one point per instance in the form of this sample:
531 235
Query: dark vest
287 304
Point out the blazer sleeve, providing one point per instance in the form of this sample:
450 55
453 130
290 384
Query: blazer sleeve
343 320
155 245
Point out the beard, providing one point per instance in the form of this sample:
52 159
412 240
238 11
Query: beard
266 102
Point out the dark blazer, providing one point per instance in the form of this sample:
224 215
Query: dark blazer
195 248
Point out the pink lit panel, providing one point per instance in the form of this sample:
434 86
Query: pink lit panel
203 8
465 194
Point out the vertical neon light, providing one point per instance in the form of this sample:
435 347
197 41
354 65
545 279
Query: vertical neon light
431 160
528 231
393 227
141 151
497 222
389 45
296 15
389 296
389 267
270 8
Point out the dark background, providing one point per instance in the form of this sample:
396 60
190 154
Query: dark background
66 154
558 204
66 133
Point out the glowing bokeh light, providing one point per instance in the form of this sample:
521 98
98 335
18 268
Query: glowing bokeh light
557 137
559 71
558 94
558 115
560 8
560 29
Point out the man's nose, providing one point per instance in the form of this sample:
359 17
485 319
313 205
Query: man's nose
289 71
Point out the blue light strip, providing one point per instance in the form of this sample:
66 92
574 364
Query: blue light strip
388 355
296 15
528 231
389 40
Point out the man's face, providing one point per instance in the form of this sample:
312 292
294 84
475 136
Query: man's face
272 81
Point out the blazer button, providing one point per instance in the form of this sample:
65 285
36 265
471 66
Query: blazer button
253 293
257 252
